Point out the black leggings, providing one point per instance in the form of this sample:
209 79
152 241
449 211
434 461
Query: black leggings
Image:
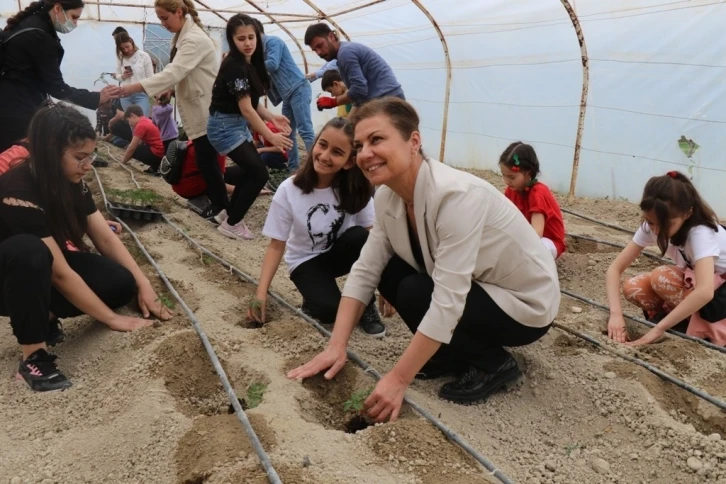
482 330
144 154
28 296
254 177
210 171
315 278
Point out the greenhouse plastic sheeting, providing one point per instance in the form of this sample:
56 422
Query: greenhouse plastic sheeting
656 102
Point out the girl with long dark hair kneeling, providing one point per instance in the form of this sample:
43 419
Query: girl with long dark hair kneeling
319 219
235 109
48 271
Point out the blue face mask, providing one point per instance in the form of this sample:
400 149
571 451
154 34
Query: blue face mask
65 27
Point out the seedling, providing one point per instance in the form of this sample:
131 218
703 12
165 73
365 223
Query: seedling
571 447
135 197
355 403
207 260
255 392
167 301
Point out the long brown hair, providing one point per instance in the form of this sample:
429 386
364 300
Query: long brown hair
352 189
52 130
122 38
673 195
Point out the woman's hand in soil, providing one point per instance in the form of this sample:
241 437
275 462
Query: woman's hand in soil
616 329
385 308
282 123
127 323
386 399
256 310
650 337
331 359
149 303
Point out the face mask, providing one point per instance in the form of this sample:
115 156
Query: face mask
65 27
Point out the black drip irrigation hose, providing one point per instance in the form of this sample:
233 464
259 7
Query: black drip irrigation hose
599 222
620 246
449 433
665 376
272 475
700 341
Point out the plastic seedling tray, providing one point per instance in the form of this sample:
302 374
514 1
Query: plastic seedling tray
145 213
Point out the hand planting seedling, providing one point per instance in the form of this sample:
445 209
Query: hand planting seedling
256 309
355 405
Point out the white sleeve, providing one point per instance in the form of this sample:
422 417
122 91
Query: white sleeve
645 237
367 216
279 218
702 242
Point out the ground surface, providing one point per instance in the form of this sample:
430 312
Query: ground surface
147 407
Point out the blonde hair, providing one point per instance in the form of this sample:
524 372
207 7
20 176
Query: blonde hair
187 7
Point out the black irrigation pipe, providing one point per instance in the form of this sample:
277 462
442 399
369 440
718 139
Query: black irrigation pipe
449 433
620 246
665 376
606 309
599 222
272 476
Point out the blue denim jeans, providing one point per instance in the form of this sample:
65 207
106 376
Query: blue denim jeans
297 109
140 99
227 131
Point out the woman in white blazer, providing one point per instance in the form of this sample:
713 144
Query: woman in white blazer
453 256
191 72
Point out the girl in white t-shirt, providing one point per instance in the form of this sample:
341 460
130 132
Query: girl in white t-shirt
132 65
319 219
686 229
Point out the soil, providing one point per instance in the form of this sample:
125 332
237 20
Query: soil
148 406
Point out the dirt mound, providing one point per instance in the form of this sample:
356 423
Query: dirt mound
415 446
189 375
219 440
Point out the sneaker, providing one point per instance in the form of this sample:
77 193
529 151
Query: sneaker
435 368
476 385
152 171
237 231
100 163
370 322
41 374
55 332
221 216
209 213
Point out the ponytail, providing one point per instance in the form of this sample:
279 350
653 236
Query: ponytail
31 9
192 10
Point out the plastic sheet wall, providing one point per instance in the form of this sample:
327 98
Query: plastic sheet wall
656 75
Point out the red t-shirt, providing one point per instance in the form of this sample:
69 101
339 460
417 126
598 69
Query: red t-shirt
539 199
150 135
258 137
191 183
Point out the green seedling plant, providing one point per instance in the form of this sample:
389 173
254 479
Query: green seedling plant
355 403
255 393
689 148
207 260
135 197
167 301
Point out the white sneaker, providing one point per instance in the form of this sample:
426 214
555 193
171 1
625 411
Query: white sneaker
221 216
237 231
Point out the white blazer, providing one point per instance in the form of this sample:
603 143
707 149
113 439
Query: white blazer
469 232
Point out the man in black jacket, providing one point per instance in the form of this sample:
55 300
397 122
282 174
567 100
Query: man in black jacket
30 66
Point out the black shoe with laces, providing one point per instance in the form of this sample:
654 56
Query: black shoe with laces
477 385
41 374
55 332
152 171
370 322
209 213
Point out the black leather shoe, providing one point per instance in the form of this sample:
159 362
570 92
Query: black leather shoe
476 385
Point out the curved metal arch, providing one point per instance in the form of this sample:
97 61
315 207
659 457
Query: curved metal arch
283 28
447 57
328 18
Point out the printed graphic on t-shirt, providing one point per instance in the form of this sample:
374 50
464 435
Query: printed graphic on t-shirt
332 220
238 86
